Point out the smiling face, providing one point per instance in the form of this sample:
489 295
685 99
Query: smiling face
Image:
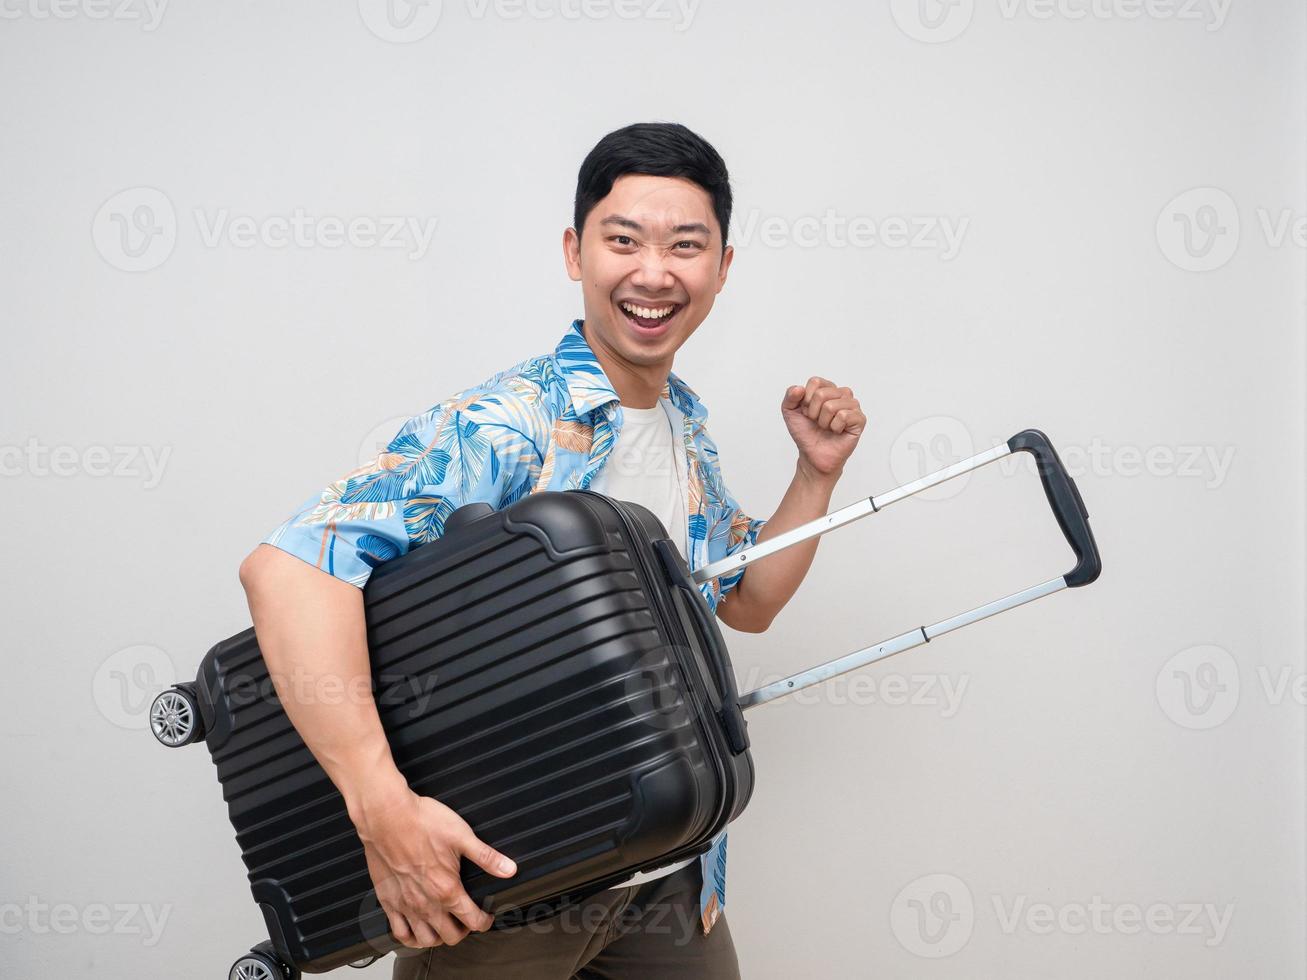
650 262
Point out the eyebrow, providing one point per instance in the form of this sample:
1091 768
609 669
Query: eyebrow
624 222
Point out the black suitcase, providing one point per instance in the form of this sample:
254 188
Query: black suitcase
552 673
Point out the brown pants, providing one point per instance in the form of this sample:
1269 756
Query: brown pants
643 932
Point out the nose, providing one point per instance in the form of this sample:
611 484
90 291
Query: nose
651 273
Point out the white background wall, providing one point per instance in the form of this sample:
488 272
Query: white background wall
1062 141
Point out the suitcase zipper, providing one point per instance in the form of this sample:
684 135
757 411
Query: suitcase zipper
646 576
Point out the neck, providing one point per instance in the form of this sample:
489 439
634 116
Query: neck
637 385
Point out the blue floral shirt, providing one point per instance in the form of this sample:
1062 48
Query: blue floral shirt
546 423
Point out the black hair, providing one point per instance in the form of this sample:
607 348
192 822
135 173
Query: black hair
658 150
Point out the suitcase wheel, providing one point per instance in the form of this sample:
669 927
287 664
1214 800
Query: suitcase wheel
175 718
260 964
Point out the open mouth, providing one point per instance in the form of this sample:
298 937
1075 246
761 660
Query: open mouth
649 319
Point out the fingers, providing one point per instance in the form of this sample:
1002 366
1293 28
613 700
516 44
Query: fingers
411 932
822 402
810 390
437 926
424 935
471 915
849 420
817 392
434 926
831 406
447 921
835 408
451 930
399 928
427 905
488 859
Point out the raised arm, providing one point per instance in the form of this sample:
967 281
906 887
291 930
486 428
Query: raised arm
768 584
825 422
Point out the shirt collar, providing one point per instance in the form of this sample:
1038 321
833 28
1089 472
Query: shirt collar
590 388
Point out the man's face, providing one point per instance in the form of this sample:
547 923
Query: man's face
650 263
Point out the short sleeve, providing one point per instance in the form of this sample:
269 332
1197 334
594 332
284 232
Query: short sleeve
473 447
729 528
743 534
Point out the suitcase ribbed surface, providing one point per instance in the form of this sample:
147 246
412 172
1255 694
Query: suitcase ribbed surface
532 691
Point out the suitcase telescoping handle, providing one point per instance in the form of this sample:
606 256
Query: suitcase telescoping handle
1062 496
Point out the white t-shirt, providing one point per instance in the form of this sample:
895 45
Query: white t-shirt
647 466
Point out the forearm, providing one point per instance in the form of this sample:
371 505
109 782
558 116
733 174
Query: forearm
313 635
770 583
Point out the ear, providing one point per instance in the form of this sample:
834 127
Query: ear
572 254
727 254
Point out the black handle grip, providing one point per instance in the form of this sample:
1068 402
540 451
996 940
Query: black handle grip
1064 498
732 717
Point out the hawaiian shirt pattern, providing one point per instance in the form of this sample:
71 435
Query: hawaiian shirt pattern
546 423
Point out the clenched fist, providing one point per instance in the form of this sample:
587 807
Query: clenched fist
825 422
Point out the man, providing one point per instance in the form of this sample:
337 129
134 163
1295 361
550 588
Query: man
603 411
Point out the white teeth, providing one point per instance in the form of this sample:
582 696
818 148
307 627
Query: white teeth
647 313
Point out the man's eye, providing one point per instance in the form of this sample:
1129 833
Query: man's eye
689 245
622 240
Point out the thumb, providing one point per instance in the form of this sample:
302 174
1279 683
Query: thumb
793 395
488 859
